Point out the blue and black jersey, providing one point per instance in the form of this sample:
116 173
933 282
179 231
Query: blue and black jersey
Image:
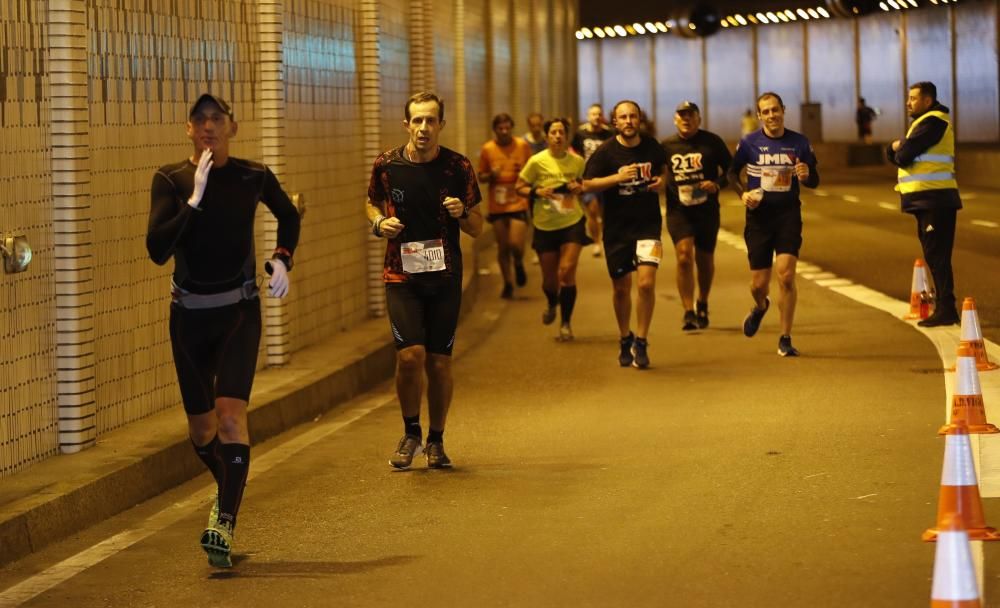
770 164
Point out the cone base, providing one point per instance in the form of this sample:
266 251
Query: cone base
910 316
930 535
975 429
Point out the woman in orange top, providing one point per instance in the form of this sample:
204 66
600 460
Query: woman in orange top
500 162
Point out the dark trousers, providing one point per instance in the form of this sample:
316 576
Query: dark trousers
936 231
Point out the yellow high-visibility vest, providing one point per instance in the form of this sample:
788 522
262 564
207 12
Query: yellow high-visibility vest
934 169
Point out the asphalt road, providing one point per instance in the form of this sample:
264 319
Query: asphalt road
722 476
854 228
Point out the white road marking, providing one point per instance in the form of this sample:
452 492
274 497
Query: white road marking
70 567
812 276
819 192
970 195
850 198
888 206
986 223
835 282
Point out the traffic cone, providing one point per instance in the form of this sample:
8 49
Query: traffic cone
920 289
960 490
972 336
967 405
955 583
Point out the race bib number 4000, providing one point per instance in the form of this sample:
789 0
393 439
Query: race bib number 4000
423 256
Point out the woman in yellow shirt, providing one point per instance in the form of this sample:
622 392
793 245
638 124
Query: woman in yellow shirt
552 182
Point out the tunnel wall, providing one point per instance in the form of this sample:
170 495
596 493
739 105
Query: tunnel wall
94 95
830 61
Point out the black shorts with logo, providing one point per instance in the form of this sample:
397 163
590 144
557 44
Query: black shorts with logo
424 313
215 352
698 221
770 231
545 241
620 254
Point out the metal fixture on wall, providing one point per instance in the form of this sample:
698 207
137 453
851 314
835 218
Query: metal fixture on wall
16 253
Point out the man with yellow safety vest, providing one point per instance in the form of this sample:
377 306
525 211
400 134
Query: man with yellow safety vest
928 190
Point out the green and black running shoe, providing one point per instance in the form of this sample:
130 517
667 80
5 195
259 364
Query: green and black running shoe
217 541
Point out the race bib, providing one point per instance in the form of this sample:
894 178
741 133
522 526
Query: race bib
500 195
648 251
776 179
561 203
423 256
691 195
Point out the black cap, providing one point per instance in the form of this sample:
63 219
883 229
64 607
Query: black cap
687 106
214 99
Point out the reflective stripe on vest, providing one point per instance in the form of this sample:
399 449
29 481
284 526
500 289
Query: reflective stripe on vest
935 168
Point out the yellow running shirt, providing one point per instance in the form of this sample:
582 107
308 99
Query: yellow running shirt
546 171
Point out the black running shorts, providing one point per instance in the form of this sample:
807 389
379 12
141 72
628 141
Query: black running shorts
521 216
698 221
215 352
424 314
772 231
552 240
620 254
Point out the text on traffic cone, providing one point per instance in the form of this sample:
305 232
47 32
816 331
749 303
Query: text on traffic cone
972 336
967 406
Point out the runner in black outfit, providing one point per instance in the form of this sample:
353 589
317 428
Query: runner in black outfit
698 162
421 195
202 215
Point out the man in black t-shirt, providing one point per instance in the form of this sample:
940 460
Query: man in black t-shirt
202 214
698 163
421 195
586 140
628 169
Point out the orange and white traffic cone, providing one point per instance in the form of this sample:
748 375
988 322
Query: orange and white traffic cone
960 489
955 583
967 405
920 289
972 336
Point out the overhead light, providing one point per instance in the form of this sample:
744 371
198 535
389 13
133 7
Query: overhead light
783 17
882 6
599 32
893 4
610 31
662 26
752 19
631 30
802 13
762 18
741 20
731 21
790 15
621 31
822 11
813 13
587 33
579 35
638 27
671 23
772 17
724 23
913 3
649 27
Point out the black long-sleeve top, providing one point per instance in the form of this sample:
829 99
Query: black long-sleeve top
924 135
213 245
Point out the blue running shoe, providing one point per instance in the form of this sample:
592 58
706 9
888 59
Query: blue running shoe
752 321
640 359
785 348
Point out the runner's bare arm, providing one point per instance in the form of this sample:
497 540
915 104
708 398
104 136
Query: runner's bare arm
388 227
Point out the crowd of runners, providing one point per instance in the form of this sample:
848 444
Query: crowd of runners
599 185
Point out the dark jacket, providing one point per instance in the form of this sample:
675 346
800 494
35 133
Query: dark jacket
928 132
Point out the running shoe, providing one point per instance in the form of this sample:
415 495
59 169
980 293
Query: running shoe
785 348
625 350
520 277
409 446
690 321
565 333
752 321
702 315
217 541
508 292
436 458
213 515
640 360
549 315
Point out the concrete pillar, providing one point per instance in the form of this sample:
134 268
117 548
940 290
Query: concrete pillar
371 118
75 357
271 24
460 105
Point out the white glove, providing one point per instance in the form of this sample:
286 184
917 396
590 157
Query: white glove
201 178
278 283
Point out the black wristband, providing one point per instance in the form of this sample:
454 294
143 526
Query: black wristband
377 226
532 193
284 259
